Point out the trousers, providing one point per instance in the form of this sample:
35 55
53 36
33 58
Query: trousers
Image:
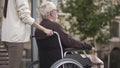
15 51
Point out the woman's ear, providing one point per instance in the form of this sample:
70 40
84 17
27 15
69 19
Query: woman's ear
51 13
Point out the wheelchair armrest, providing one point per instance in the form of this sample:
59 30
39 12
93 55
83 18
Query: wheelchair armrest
67 50
71 49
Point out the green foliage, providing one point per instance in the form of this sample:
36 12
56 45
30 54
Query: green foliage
91 20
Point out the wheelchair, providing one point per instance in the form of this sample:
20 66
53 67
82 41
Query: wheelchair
60 57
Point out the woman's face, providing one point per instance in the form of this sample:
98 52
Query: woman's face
54 14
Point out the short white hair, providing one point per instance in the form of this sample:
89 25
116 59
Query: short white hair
45 8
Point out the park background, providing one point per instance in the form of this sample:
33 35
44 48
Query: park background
106 39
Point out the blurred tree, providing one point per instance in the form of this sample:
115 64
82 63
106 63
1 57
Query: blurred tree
91 18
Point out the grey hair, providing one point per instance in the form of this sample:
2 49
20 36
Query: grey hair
46 8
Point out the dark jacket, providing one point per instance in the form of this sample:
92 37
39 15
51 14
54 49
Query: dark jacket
66 40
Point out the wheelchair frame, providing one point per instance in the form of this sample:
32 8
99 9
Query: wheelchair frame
62 61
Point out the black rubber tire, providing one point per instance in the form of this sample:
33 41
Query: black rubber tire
63 61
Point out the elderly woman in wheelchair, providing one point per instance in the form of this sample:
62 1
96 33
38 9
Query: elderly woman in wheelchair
53 48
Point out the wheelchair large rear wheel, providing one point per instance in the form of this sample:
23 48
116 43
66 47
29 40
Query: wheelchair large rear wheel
67 63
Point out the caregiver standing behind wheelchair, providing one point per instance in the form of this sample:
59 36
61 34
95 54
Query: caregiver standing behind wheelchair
48 12
16 29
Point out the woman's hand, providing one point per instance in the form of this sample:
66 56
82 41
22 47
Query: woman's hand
48 32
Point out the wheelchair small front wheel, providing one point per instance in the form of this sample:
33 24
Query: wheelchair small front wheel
67 63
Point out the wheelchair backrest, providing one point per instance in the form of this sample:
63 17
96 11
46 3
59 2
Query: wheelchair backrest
50 50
